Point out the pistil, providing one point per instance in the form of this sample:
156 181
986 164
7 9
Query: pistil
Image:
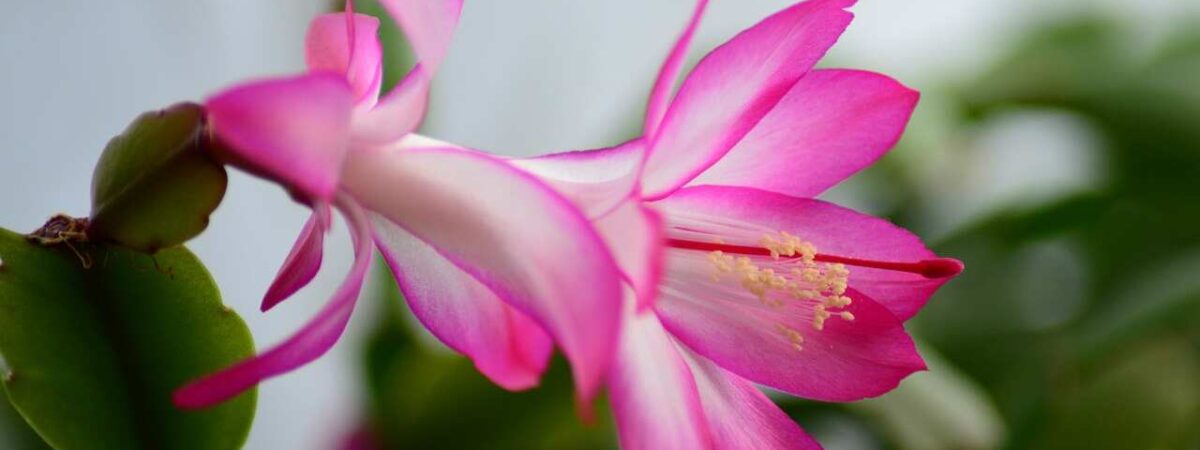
929 268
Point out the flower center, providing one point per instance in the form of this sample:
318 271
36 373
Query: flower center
798 273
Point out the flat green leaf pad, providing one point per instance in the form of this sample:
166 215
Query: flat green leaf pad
156 184
92 354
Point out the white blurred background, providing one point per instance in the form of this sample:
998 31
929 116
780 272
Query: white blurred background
523 77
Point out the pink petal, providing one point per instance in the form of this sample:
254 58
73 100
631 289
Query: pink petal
327 49
831 124
303 262
398 114
291 130
506 345
832 229
312 341
428 25
653 395
733 87
739 416
634 235
595 180
846 361
512 233
660 95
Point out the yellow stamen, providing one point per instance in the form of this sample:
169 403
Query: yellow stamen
820 285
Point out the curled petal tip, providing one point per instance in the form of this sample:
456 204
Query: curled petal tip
269 300
304 261
306 345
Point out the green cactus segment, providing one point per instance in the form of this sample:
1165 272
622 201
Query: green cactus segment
92 355
155 185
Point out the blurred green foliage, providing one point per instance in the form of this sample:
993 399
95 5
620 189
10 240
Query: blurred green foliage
14 433
1121 370
423 396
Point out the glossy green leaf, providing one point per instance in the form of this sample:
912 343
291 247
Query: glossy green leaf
155 185
93 354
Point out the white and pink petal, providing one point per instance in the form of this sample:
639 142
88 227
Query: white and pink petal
294 131
505 344
313 340
595 180
429 26
654 397
512 233
396 115
830 125
740 417
328 49
303 262
634 234
734 86
780 345
664 84
665 396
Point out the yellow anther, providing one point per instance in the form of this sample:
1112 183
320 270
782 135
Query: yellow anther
820 315
807 251
838 287
744 264
804 279
838 301
722 262
838 270
775 247
805 294
810 275
794 337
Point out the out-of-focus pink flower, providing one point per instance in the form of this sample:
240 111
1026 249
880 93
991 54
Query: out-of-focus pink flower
485 253
736 274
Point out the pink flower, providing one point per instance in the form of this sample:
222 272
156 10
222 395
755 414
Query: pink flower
485 253
736 274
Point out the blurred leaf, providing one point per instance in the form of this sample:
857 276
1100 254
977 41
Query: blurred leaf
1057 63
427 397
937 410
155 185
834 425
1129 243
93 354
1148 398
1163 298
15 434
